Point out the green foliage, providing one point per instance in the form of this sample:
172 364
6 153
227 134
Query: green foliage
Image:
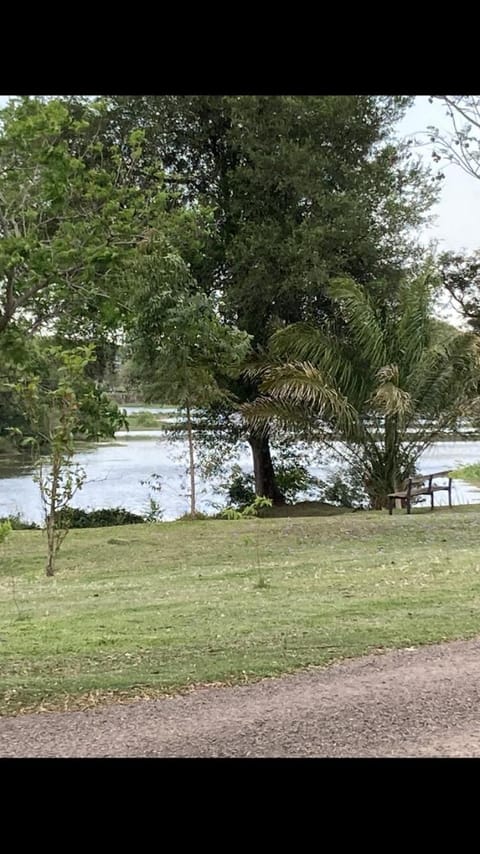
18 524
30 391
5 530
178 333
387 386
154 511
260 503
470 473
143 419
74 517
241 487
291 477
460 145
346 488
198 516
69 215
60 409
180 344
253 509
230 513
299 189
461 279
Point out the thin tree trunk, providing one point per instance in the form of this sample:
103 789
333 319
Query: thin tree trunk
50 520
391 457
191 464
265 483
50 568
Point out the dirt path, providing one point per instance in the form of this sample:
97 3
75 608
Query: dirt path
421 702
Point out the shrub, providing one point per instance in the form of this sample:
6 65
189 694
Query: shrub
241 488
291 478
5 529
254 509
74 517
198 517
143 419
18 524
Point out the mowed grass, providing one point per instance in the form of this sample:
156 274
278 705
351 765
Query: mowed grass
150 609
470 473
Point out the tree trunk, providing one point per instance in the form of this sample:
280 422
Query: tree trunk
191 466
50 567
391 456
265 484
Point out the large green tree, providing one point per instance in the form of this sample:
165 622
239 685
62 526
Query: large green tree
181 348
387 387
69 215
301 189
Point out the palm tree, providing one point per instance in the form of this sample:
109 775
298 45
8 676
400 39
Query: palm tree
386 379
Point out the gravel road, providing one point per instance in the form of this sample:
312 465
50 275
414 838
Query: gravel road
418 702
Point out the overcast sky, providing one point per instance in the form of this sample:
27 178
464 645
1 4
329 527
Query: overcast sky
457 213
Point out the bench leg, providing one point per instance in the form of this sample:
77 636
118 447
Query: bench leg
431 500
449 493
409 506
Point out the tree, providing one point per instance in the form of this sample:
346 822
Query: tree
61 404
460 145
387 387
69 214
301 189
180 345
460 275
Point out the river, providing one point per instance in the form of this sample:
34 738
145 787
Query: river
115 471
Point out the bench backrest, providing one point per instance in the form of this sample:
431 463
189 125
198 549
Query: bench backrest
420 479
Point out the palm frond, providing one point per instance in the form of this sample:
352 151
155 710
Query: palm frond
392 400
364 327
414 325
321 347
300 387
446 372
264 410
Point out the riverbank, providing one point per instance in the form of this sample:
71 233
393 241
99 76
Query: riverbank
153 609
470 474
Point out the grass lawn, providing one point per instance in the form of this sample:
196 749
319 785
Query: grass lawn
148 609
469 473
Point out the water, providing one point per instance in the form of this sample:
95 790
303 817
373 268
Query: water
115 471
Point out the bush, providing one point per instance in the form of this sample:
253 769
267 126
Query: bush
74 517
5 529
251 510
291 479
18 524
143 419
187 517
343 494
241 488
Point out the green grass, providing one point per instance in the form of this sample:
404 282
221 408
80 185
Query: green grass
146 420
469 473
149 609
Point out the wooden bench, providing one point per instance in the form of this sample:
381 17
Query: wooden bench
421 485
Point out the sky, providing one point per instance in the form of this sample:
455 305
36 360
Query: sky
457 214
